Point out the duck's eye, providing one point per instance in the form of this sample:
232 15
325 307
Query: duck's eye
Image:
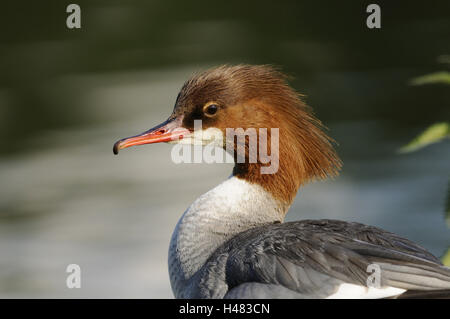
211 109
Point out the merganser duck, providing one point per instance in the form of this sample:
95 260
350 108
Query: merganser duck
232 241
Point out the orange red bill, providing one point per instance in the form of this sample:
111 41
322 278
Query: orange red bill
165 132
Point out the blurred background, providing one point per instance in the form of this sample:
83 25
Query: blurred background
66 95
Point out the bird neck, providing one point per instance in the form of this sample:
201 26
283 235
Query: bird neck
282 184
228 209
295 140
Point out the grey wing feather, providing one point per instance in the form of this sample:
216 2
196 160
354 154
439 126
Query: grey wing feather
310 259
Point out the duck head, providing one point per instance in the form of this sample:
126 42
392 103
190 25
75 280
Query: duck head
250 97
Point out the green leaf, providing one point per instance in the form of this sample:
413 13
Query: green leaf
437 77
433 134
446 258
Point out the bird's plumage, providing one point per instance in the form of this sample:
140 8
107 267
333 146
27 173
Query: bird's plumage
230 243
312 258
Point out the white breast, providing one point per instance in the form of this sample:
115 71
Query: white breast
228 209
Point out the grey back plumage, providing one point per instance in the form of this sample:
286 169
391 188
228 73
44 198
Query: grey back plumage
311 258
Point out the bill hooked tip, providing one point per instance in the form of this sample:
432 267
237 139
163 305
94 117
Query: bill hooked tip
116 148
